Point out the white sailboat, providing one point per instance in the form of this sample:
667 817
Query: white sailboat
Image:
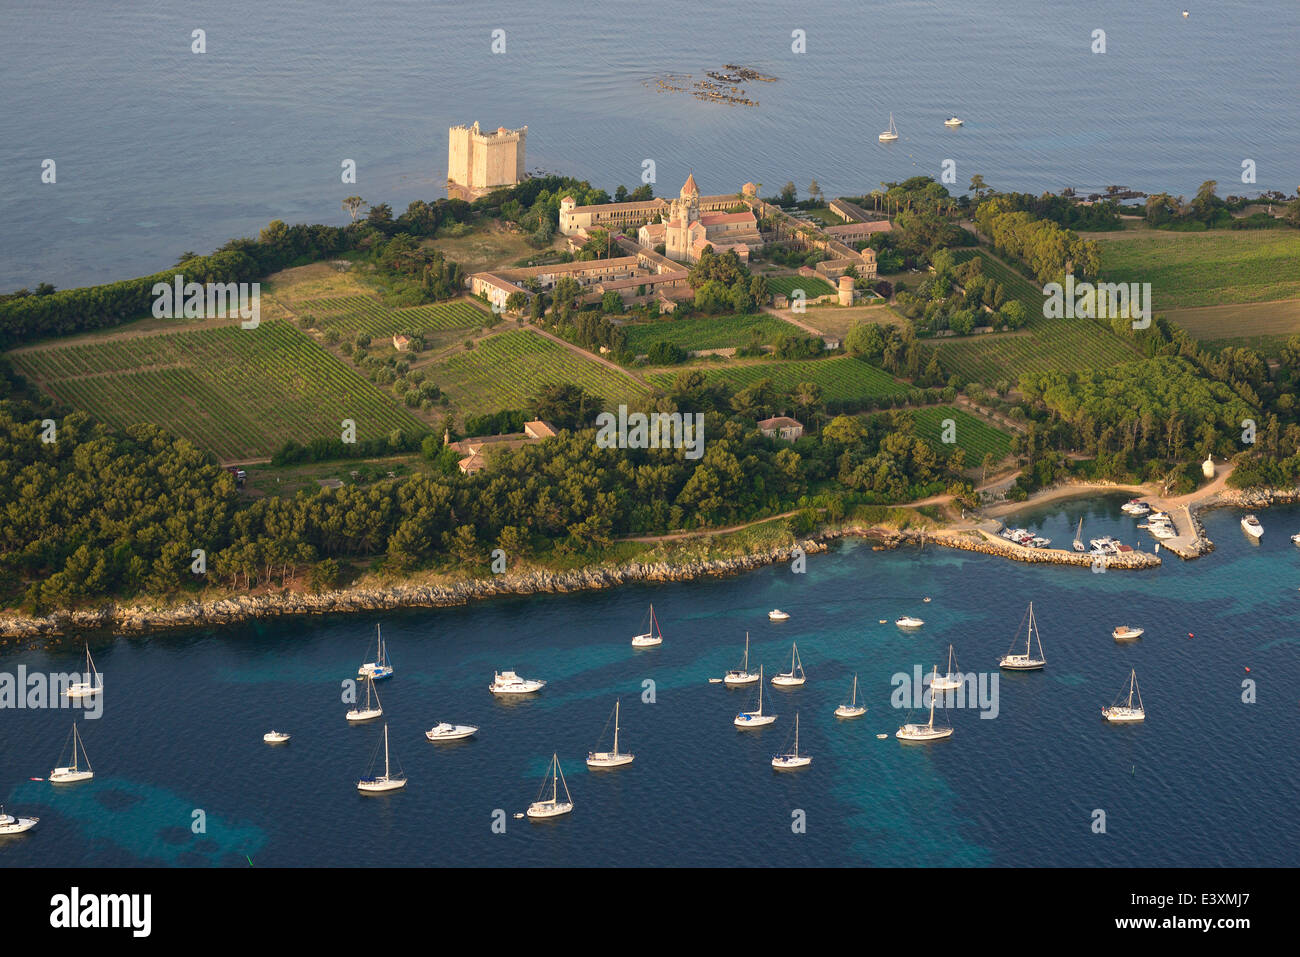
442 731
1026 661
369 712
747 720
507 682
1078 537
795 677
381 667
852 709
653 636
554 807
1126 712
951 680
15 825
93 684
792 760
924 732
742 675
387 781
74 773
890 134
609 759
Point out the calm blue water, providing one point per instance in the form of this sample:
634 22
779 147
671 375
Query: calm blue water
1207 780
160 150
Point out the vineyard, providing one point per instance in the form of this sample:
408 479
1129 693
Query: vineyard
707 333
504 372
811 286
353 314
842 378
974 435
242 393
1016 285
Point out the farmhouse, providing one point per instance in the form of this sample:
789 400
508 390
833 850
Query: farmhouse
478 448
781 427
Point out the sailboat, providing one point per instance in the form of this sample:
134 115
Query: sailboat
755 719
1025 662
792 760
93 684
381 667
75 773
742 675
1078 537
368 713
609 759
924 732
951 680
653 636
1126 711
388 781
539 809
15 825
890 134
852 709
795 677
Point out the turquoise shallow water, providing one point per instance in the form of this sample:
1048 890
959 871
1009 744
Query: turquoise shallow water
161 150
1207 780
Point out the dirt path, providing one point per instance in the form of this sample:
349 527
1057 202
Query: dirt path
590 356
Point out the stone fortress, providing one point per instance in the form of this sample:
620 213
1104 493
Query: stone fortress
479 162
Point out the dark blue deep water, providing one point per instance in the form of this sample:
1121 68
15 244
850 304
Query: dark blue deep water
1207 780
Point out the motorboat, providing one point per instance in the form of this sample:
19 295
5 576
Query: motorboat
909 623
776 614
1252 526
507 682
1127 633
444 731
953 121
275 737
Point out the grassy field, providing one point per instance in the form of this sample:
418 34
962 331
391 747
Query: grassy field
1205 269
974 435
505 370
812 286
241 393
1241 322
841 377
1044 345
707 333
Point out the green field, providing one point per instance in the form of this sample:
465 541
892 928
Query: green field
504 372
813 286
974 435
842 378
1044 345
1205 269
242 393
353 314
707 333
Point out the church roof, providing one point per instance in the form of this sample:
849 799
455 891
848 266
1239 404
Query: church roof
690 186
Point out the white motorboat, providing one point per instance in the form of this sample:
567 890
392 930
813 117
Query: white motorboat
1026 661
924 732
15 825
794 678
791 760
381 667
385 782
553 807
1295 539
1135 506
1162 530
93 684
507 682
742 675
653 637
953 121
1252 526
370 711
1127 633
275 737
1126 712
776 614
951 679
852 709
908 623
75 772
443 731
748 720
891 134
610 759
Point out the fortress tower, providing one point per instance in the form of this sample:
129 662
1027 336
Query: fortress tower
479 162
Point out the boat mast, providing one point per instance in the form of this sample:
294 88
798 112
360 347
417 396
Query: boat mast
853 703
555 778
616 727
932 675
760 689
745 666
385 752
796 734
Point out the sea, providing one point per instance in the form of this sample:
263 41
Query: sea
159 150
182 776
